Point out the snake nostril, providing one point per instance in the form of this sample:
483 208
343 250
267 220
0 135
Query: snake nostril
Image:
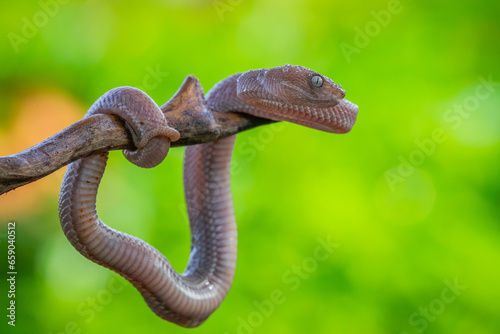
340 92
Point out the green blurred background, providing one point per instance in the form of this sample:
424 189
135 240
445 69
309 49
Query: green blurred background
410 196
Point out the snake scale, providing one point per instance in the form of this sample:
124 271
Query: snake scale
287 93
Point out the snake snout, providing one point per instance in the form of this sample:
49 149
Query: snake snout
336 91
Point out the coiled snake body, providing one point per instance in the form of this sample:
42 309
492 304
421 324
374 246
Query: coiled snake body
287 93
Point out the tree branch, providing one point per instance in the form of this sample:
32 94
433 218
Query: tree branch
187 112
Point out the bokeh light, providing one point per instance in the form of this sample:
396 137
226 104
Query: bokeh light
410 197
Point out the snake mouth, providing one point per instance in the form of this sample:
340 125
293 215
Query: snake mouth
337 119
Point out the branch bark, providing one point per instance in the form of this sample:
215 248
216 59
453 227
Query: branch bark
187 112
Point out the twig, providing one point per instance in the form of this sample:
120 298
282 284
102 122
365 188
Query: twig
187 112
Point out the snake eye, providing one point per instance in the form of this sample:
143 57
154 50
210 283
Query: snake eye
317 81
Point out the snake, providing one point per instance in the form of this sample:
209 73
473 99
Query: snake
286 93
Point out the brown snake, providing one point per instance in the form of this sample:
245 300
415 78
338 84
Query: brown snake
287 93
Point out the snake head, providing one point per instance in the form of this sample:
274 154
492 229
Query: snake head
298 95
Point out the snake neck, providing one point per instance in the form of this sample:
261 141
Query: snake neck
223 97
